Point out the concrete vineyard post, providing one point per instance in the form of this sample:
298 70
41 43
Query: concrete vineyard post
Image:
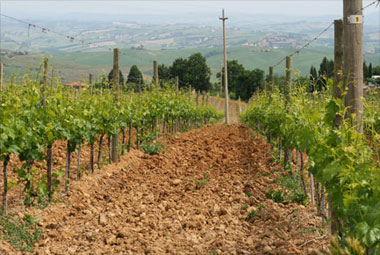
226 96
353 59
115 137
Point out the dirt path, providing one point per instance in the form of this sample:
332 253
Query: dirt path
191 199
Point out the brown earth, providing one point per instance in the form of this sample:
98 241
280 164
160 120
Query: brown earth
188 200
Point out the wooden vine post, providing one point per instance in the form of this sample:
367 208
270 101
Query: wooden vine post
353 59
271 79
288 80
49 149
6 159
176 85
1 77
90 82
116 85
339 88
155 74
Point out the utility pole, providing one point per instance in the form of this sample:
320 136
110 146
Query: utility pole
221 81
353 59
226 96
155 73
115 72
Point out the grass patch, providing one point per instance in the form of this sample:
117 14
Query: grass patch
21 233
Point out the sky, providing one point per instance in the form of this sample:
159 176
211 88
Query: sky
30 8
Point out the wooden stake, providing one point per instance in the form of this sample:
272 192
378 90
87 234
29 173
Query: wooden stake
338 65
1 77
288 78
338 93
176 85
115 137
90 82
43 88
271 79
155 73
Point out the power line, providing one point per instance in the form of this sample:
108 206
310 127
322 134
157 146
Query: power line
321 33
46 30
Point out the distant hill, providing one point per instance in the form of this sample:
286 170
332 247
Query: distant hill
75 66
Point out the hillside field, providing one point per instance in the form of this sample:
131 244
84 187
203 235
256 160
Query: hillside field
77 65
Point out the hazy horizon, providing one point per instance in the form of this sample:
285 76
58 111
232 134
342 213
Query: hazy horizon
63 9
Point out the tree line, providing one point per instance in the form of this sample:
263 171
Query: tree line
326 71
194 71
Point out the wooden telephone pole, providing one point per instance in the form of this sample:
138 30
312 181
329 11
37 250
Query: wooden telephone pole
226 96
116 84
221 81
353 58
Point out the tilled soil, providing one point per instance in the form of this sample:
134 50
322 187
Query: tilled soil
191 199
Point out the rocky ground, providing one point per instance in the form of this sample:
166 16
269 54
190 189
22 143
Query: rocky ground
193 198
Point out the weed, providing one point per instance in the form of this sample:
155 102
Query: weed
151 148
277 196
200 183
251 215
244 207
249 194
20 233
297 195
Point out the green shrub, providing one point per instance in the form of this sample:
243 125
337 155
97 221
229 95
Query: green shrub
277 196
151 148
